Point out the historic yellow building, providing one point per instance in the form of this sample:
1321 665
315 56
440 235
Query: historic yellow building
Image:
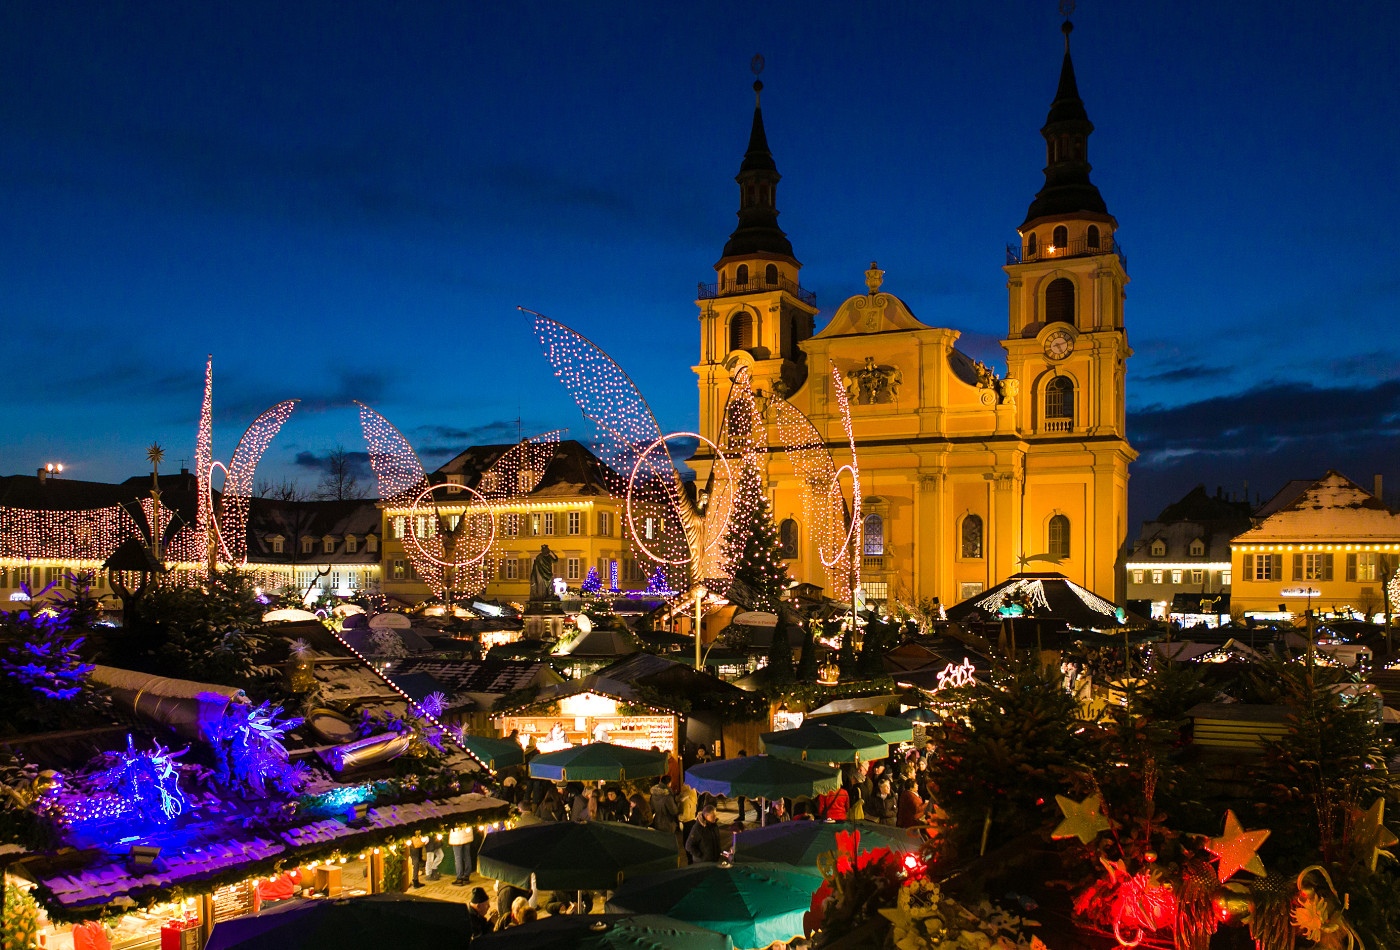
966 477
570 510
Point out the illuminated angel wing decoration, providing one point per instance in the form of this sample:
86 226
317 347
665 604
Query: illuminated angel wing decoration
230 520
450 530
835 523
659 517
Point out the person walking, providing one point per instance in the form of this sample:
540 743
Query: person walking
665 813
703 842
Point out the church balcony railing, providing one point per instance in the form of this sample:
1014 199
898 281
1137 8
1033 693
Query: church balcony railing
1048 252
1057 425
754 286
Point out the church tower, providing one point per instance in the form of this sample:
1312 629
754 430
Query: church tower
756 313
1066 353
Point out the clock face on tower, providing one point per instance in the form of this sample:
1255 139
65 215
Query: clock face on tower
1059 344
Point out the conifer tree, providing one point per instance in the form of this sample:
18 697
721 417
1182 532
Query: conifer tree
780 656
807 667
751 542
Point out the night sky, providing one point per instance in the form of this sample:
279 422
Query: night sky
348 200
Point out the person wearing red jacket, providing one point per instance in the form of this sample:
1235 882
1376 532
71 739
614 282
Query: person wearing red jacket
832 806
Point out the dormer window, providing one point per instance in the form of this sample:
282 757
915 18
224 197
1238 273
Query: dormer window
371 543
276 540
1159 548
306 545
454 484
328 545
1198 548
352 544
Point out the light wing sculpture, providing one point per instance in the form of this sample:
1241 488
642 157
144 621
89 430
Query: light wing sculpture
225 521
450 542
678 534
835 522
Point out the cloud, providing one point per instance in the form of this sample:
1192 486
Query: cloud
358 462
1263 436
1187 374
235 402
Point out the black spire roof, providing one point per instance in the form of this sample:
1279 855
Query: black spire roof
1067 190
758 231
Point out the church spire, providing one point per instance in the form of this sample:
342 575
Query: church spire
1068 191
758 231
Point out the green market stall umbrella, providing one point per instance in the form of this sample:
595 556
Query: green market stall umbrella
754 904
570 856
821 743
346 923
606 932
598 762
888 728
800 843
763 776
925 716
492 752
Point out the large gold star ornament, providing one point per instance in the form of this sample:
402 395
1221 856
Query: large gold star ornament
1371 835
1237 848
1083 820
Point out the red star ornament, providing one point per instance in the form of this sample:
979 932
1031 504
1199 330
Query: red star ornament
1237 848
1083 820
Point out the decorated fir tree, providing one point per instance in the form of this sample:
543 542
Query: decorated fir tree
592 583
751 542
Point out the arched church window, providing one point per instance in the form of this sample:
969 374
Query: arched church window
1093 239
1059 402
770 273
787 539
1061 237
1030 245
741 331
1059 301
741 276
1057 536
873 539
972 536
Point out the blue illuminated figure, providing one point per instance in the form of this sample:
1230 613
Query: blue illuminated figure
145 782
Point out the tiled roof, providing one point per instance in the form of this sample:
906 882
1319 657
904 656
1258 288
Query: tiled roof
1331 508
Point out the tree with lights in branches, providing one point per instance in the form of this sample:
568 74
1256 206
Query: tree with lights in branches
751 542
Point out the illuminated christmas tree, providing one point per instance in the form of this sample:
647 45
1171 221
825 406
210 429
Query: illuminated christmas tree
751 542
592 583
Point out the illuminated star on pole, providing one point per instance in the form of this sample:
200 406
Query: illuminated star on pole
1083 820
1370 833
1236 848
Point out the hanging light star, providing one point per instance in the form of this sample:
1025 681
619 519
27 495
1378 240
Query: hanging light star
1236 848
1083 820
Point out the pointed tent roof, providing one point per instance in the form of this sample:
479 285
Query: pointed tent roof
1048 595
1067 189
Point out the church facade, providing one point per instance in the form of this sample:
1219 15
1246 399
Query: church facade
966 477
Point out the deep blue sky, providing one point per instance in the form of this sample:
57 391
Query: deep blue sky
348 200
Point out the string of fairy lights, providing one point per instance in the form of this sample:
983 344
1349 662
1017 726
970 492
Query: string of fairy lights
230 520
204 455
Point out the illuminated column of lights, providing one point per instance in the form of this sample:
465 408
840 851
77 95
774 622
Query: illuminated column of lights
627 429
204 454
737 491
231 520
